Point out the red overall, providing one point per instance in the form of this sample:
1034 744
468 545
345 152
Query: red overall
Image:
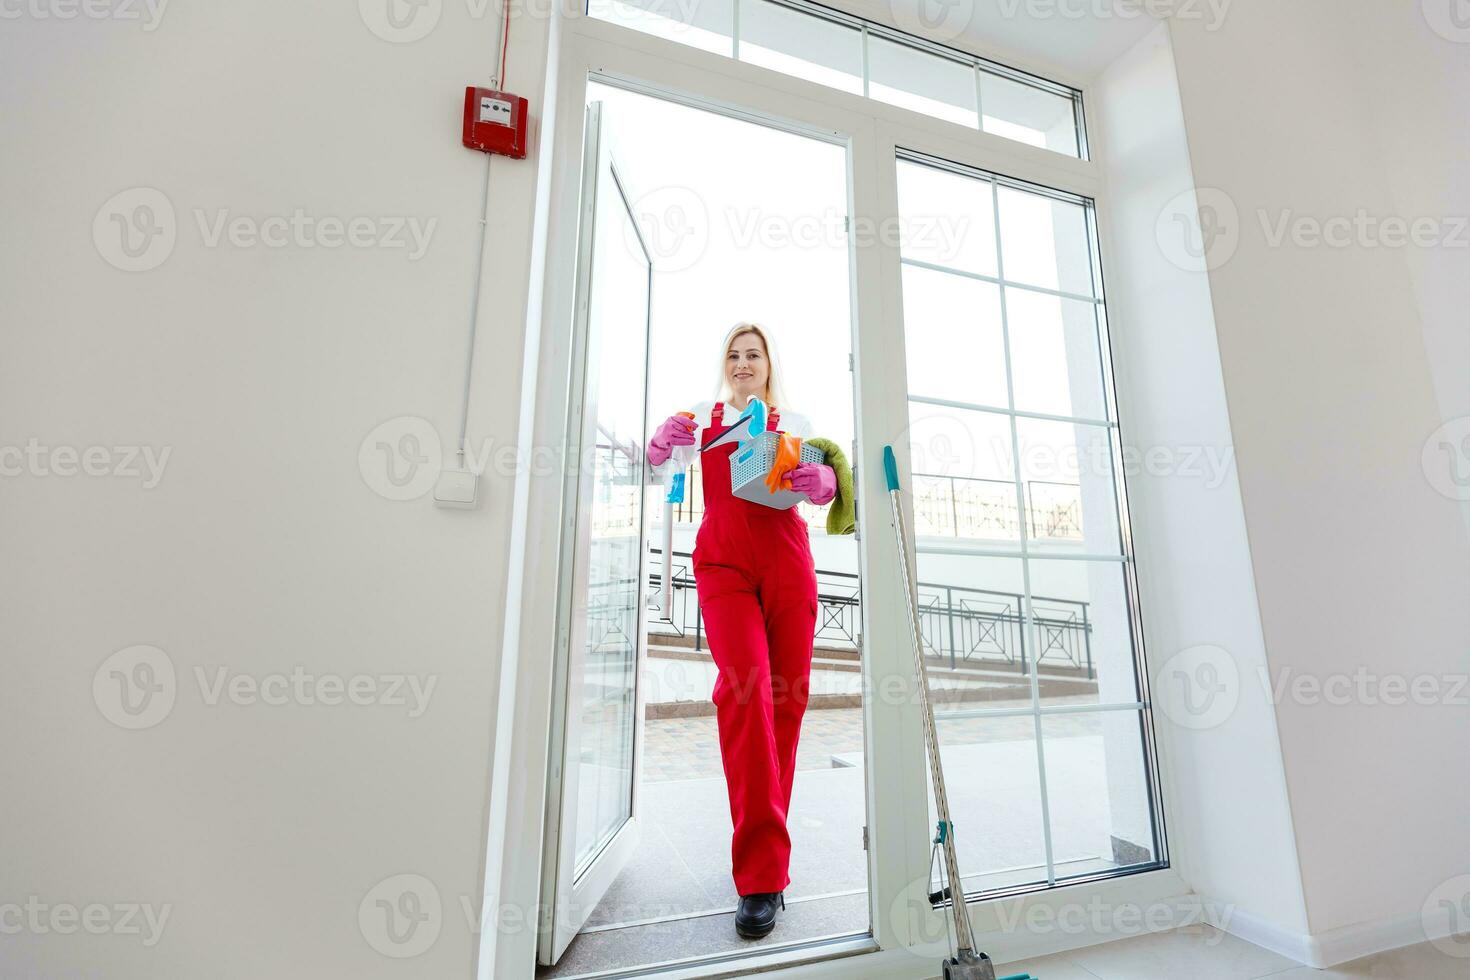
757 587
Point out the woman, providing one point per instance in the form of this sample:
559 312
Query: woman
757 587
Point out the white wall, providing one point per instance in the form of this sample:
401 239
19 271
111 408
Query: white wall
1359 562
1415 85
1230 826
263 548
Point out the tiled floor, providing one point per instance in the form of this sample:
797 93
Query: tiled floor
1204 953
1190 953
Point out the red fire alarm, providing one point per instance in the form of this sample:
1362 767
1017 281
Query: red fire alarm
495 122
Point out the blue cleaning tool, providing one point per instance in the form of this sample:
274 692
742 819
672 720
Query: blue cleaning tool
752 422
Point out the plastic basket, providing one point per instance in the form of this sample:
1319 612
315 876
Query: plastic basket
751 462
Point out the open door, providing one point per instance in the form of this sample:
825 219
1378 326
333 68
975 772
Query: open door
592 805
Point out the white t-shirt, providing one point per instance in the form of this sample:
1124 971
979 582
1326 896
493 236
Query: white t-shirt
683 456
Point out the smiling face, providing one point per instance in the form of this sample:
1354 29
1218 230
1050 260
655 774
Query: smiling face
746 368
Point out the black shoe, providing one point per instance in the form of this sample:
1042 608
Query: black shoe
756 916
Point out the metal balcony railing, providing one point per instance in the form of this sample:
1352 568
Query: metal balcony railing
967 626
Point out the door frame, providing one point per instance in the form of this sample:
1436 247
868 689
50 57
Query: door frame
902 925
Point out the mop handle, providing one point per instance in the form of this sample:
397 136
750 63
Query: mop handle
890 468
964 937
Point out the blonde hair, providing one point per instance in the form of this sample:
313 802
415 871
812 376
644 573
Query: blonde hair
775 390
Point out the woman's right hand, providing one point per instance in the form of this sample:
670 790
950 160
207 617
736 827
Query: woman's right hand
677 430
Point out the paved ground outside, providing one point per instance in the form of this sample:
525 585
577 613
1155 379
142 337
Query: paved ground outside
689 748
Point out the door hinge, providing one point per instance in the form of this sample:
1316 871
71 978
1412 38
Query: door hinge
865 837
849 361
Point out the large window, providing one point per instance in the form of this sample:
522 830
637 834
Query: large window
822 45
1025 587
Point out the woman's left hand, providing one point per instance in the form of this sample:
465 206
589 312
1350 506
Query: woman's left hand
816 480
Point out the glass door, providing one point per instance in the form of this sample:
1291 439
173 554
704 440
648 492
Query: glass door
597 729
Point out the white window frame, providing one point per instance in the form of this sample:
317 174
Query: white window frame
978 65
901 944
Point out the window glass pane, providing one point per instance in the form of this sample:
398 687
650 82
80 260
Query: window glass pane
994 788
1029 115
946 219
799 44
953 337
1097 792
1080 645
708 24
970 617
1070 500
1044 242
609 546
1056 365
914 79
964 480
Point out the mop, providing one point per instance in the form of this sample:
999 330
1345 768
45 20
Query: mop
965 963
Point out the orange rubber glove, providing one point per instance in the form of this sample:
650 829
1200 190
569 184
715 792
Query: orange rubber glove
788 458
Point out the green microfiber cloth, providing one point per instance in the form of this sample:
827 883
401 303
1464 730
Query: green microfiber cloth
842 517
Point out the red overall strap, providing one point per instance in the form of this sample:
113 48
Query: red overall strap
717 417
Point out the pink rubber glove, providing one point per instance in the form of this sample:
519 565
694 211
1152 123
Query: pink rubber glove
677 430
816 480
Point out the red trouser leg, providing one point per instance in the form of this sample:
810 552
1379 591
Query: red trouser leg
761 848
791 621
760 635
